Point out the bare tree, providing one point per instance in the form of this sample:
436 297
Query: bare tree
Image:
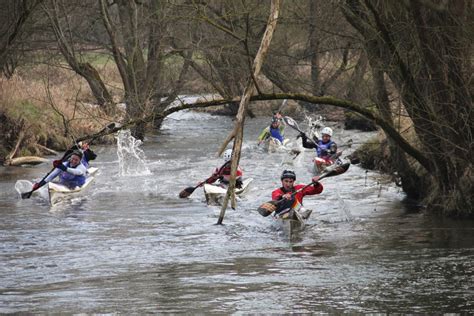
66 43
425 53
14 16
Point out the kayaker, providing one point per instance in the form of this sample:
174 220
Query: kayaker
84 147
72 173
222 173
288 187
275 130
325 147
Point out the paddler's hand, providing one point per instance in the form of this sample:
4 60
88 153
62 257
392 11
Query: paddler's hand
286 196
59 164
38 185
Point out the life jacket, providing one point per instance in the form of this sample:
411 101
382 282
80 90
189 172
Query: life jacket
225 174
71 180
324 149
311 190
276 133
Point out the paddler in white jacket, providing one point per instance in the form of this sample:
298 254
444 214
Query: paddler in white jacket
72 173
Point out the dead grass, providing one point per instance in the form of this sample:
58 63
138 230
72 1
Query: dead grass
55 104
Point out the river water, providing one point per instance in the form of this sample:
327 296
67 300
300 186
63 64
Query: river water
132 246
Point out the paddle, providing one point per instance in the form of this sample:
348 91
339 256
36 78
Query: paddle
292 123
27 195
269 207
189 190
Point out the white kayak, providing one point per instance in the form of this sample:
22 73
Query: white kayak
215 193
273 145
58 192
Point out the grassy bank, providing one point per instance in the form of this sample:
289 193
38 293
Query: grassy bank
43 107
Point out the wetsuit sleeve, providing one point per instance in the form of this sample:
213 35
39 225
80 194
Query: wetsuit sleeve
78 171
306 143
214 177
52 175
89 155
277 194
313 189
264 133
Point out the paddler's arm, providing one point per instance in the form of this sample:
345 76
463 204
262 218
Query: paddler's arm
306 143
278 195
80 170
264 134
316 188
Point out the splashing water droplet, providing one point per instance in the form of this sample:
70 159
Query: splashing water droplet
132 160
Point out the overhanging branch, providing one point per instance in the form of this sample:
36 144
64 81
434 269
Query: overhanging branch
328 100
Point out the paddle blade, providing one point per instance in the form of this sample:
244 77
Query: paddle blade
291 122
26 195
24 188
186 192
267 208
335 170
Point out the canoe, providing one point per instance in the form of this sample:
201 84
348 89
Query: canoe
293 220
215 193
58 192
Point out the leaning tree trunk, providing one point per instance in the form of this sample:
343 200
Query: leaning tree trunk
237 133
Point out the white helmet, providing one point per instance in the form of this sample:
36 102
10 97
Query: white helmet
327 131
227 155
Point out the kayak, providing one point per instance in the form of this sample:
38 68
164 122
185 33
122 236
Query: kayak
321 164
58 192
273 145
215 193
292 220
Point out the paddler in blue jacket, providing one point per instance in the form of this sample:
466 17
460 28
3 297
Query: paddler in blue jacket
325 147
72 173
275 130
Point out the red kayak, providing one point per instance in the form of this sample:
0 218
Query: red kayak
321 163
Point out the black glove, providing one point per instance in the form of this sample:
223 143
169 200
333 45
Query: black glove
302 135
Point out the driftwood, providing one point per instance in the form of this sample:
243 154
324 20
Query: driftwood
46 149
27 160
20 138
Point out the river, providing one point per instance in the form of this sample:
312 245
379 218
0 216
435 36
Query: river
132 246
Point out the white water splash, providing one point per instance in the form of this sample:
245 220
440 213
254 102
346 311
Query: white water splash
132 160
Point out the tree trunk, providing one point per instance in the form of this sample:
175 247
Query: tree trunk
85 70
433 82
237 133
